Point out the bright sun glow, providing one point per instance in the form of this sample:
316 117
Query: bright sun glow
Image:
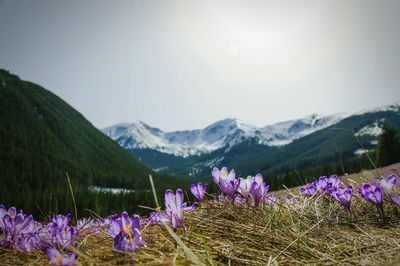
233 49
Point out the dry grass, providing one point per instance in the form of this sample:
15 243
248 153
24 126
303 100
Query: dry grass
313 232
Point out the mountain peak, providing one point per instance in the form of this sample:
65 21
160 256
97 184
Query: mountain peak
224 133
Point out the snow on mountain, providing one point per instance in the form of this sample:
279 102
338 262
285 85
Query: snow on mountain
395 107
230 132
285 132
372 130
222 134
138 135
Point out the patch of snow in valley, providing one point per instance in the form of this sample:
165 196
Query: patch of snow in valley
371 130
161 168
360 151
108 190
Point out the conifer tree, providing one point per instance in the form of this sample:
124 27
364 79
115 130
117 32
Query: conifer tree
388 150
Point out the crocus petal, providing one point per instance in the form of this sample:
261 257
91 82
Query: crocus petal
191 208
136 222
169 200
194 190
3 211
215 174
232 174
125 219
115 228
223 172
259 179
179 197
395 198
52 253
175 222
12 212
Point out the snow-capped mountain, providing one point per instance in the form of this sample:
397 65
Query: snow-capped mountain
222 134
258 149
286 132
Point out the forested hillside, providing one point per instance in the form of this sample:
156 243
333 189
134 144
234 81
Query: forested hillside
42 138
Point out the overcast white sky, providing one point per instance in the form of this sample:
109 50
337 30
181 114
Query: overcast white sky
185 64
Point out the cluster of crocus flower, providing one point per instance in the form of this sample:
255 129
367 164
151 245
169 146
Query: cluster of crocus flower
309 190
25 235
175 207
19 230
252 190
375 192
226 181
257 189
372 193
59 233
332 187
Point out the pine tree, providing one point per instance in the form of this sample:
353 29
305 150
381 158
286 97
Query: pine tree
388 150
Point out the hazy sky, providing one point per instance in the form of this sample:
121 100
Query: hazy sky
185 64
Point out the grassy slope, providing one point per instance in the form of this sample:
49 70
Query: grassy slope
315 231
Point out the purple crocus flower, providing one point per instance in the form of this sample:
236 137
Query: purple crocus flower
245 184
309 190
326 185
157 217
388 184
240 201
15 226
58 259
28 243
227 182
126 233
334 181
88 226
258 191
271 200
372 193
290 201
395 198
175 207
58 233
198 190
322 184
344 196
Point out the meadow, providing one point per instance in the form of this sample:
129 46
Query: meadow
344 220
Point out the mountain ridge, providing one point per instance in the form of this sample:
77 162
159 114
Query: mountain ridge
224 133
307 142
